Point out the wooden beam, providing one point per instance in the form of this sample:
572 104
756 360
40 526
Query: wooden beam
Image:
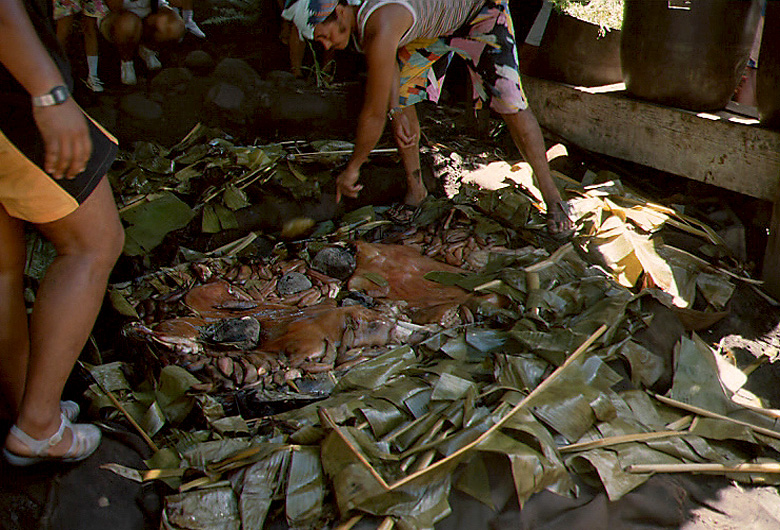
723 150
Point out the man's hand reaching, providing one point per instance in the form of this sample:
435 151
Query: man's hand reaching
346 184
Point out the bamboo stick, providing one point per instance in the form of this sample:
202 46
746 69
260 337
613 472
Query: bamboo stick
387 524
536 391
127 415
704 468
615 440
355 519
710 414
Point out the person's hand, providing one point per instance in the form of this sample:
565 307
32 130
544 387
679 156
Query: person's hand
65 137
405 135
346 184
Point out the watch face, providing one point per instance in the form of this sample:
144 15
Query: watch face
60 94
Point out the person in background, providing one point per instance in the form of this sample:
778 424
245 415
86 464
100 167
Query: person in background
138 27
53 161
187 14
89 11
408 46
297 43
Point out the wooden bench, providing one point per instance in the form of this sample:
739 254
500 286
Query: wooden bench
724 149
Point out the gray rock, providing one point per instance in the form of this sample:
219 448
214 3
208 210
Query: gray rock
226 96
237 72
242 332
291 283
172 81
140 107
337 262
200 62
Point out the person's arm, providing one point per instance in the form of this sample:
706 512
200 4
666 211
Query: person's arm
63 127
115 5
384 30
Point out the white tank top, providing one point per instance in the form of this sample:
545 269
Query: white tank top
431 18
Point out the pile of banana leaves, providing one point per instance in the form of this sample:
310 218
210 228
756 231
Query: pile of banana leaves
442 340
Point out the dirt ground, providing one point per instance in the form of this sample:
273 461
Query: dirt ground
85 497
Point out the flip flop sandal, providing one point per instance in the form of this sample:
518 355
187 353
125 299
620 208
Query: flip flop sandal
86 439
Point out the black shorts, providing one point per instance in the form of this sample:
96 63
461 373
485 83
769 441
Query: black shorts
26 190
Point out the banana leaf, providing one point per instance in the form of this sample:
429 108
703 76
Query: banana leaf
696 379
207 509
305 488
565 405
523 372
616 482
172 390
474 480
383 416
529 467
150 221
377 371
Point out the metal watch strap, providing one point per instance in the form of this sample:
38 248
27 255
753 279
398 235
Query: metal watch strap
392 112
58 95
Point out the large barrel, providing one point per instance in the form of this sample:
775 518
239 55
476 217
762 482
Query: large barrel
687 53
576 52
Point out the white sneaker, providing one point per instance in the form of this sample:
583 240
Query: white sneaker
150 58
94 84
191 26
128 73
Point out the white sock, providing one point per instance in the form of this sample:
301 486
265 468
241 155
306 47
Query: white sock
187 14
126 62
92 65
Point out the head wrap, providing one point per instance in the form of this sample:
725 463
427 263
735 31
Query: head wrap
306 14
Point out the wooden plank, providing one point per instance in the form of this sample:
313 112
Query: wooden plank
732 153
771 269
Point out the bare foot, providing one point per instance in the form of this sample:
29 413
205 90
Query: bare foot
415 196
559 226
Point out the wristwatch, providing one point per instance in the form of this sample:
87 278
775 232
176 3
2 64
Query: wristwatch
392 112
56 96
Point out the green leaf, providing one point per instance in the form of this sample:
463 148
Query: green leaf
209 220
262 480
110 376
227 219
235 198
450 388
305 488
151 221
377 371
207 509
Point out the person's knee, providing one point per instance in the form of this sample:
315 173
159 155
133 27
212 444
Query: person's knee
165 27
125 28
98 245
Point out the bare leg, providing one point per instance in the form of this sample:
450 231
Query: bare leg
64 26
297 49
410 156
89 26
14 336
529 140
88 242
125 30
163 26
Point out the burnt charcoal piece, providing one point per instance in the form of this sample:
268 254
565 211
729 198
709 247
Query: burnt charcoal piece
291 283
337 262
244 333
